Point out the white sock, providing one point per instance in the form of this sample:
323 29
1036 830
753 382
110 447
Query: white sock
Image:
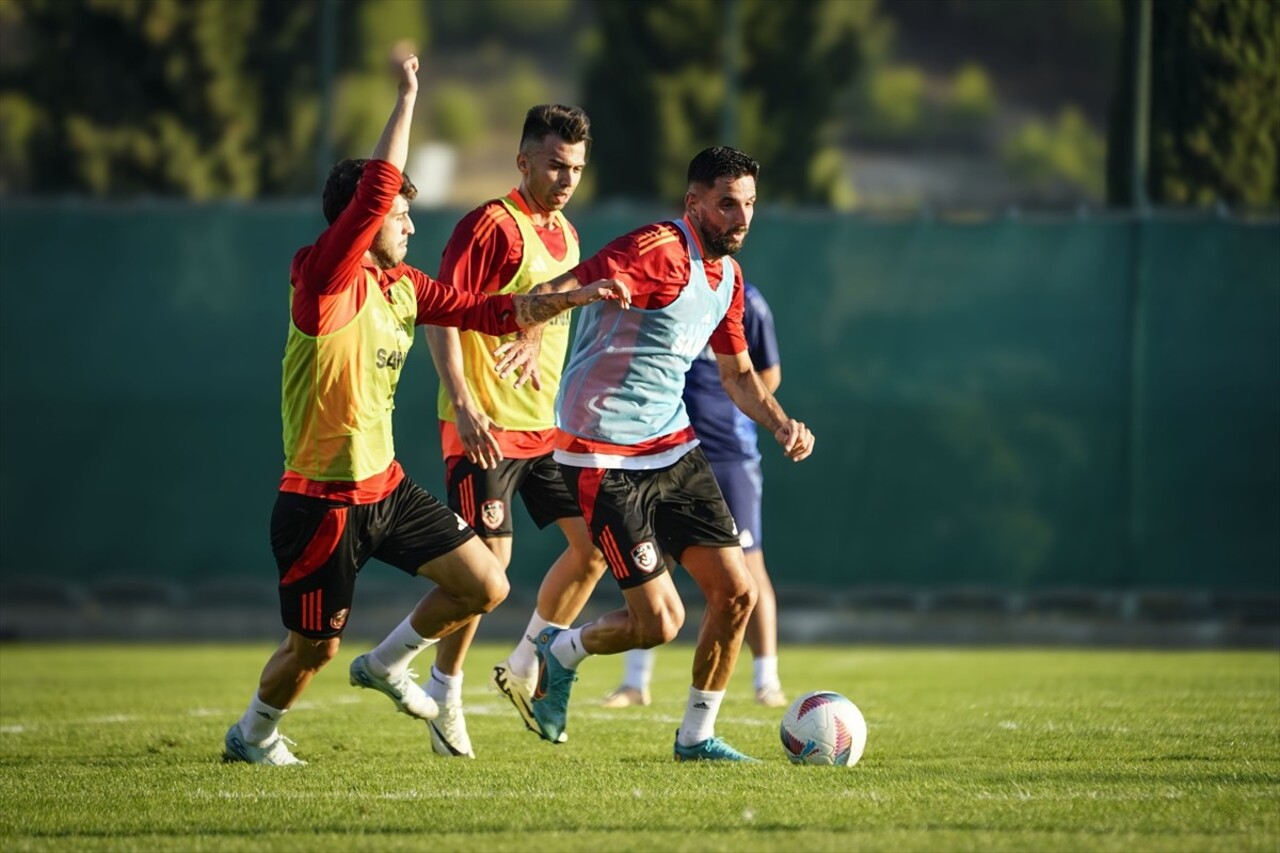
639 668
258 725
567 647
445 689
522 661
400 647
766 671
700 716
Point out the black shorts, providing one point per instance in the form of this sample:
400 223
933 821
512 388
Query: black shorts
483 497
637 516
321 545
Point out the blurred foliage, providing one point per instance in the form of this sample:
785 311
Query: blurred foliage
479 21
120 97
1214 133
202 100
794 61
1059 160
227 98
456 117
517 89
1215 106
894 103
1043 52
971 97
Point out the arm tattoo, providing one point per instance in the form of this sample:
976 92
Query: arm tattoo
532 310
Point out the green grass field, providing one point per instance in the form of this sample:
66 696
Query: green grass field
119 748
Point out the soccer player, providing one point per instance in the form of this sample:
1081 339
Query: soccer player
631 458
728 438
497 439
344 498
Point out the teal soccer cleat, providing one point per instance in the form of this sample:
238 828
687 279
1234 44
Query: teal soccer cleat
711 749
551 695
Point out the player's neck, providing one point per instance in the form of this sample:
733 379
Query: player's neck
540 216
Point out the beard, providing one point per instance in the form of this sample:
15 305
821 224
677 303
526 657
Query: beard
726 242
384 255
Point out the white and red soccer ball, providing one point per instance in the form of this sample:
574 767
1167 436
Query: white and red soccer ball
823 728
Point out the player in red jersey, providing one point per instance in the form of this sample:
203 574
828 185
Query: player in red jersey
631 457
344 498
497 439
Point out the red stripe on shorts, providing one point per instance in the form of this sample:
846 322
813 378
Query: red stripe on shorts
311 610
320 548
609 547
467 499
589 480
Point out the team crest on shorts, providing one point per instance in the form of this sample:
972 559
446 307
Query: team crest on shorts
337 620
492 513
645 556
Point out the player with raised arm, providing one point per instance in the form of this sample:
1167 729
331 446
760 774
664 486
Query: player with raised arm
630 455
344 498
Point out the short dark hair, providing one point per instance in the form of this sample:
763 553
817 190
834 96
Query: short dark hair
341 186
569 123
721 161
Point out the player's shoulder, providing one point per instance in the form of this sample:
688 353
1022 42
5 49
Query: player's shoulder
494 213
655 235
491 220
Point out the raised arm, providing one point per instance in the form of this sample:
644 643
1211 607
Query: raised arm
750 394
393 144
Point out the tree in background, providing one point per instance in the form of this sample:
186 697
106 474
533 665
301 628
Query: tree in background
193 99
1214 130
656 86
113 97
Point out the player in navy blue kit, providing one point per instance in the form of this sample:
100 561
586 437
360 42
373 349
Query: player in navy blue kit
728 438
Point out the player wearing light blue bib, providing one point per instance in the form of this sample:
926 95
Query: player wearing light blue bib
728 440
630 456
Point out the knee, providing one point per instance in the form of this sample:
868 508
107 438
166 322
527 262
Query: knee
738 598
312 653
491 591
661 626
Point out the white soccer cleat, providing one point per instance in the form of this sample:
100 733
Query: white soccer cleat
399 687
771 697
519 691
449 733
273 753
626 696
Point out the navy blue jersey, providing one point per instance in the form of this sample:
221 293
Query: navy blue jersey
725 432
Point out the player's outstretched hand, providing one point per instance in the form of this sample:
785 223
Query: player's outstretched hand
405 63
605 288
521 355
796 440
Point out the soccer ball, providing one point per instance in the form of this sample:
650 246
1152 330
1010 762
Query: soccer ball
823 728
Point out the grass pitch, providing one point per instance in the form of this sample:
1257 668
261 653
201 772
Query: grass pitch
119 748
